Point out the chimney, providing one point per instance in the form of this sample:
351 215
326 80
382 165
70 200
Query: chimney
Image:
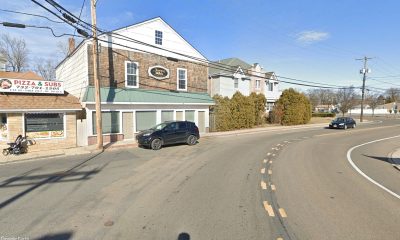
71 45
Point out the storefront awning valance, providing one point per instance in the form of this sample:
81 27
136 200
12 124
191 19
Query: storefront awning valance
144 96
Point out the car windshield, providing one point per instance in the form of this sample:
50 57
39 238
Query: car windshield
159 126
339 120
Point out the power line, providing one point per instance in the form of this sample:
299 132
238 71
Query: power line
31 14
219 66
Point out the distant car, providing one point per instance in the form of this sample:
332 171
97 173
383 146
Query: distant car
167 133
343 122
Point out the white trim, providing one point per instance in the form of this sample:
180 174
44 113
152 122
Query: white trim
126 74
177 79
37 110
150 103
365 175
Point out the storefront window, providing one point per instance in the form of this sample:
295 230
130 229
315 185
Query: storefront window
44 125
189 115
110 122
167 116
3 126
145 120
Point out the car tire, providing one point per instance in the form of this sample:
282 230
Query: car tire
191 140
156 144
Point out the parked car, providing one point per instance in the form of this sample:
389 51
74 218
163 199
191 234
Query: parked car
343 122
167 133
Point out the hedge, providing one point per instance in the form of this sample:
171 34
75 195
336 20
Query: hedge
323 114
292 108
239 112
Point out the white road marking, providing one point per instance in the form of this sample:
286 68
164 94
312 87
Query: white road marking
265 161
282 212
273 188
268 154
269 209
270 161
262 170
269 171
365 175
263 185
273 155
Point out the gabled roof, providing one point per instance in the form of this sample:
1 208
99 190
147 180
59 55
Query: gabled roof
21 75
21 102
143 96
233 63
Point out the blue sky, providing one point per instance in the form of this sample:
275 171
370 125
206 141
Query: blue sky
310 40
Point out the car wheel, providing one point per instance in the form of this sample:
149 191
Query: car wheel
156 144
5 152
191 140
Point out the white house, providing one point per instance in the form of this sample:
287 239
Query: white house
231 75
148 74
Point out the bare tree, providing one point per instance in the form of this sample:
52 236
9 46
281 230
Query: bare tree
63 49
46 69
373 101
393 94
346 99
15 51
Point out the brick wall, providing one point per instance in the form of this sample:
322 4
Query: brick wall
112 70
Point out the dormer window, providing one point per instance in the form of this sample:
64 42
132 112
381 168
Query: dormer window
159 36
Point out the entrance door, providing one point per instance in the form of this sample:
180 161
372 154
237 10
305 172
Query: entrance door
127 125
202 121
3 127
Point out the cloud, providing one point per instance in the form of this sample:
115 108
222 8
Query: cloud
309 37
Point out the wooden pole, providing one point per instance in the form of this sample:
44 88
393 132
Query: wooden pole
99 126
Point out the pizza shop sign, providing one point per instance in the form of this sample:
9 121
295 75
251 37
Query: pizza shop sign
31 86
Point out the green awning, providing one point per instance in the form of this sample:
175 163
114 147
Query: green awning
143 96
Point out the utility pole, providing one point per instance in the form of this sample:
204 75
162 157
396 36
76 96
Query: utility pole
363 71
99 126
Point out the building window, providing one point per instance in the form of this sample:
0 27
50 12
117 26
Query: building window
236 83
270 86
110 122
189 115
131 74
159 36
258 84
44 125
182 79
270 106
167 115
145 120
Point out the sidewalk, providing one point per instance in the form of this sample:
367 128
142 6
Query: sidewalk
394 159
132 143
64 152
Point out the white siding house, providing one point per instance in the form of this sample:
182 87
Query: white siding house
232 75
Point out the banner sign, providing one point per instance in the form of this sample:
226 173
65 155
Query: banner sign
31 86
159 72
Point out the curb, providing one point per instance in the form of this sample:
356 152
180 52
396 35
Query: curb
33 159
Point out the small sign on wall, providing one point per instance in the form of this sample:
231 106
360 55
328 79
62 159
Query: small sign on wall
158 72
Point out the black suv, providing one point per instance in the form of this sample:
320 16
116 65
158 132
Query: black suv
169 133
343 122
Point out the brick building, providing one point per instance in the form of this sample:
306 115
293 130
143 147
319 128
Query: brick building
38 109
148 74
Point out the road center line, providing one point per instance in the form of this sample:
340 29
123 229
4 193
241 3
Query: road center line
282 212
365 175
269 209
262 170
263 185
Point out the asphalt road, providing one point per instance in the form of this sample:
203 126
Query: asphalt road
222 188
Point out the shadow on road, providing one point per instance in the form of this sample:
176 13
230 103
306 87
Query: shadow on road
384 159
36 181
57 236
